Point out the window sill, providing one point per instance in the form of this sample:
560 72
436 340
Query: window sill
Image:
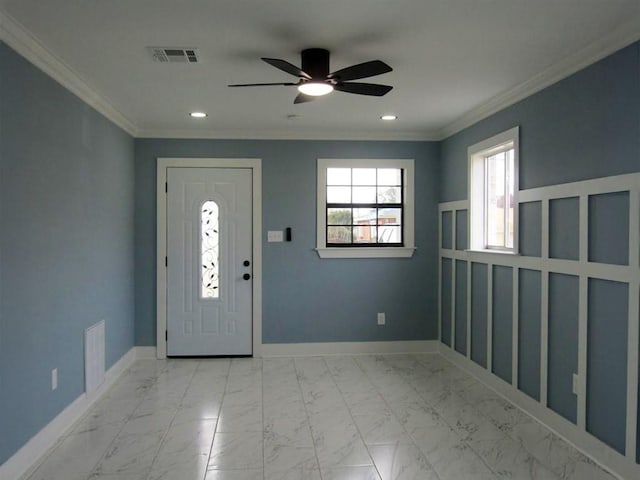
365 252
489 250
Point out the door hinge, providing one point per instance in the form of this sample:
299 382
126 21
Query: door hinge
166 336
166 187
166 261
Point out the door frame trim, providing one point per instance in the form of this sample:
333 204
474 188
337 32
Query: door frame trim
255 164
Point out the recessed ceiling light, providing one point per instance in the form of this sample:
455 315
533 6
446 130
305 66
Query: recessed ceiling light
315 89
389 117
198 114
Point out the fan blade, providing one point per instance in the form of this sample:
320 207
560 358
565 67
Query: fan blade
260 84
363 88
362 70
302 98
286 67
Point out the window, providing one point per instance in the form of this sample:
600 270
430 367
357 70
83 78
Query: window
365 208
209 249
493 186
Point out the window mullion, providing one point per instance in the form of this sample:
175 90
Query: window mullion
485 212
505 190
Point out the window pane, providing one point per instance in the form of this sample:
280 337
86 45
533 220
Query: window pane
338 176
339 216
339 234
364 216
364 194
389 195
338 194
209 250
364 176
389 176
389 216
510 197
389 234
495 200
364 234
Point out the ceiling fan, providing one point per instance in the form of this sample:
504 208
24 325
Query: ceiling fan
315 79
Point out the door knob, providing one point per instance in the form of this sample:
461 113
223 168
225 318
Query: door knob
246 263
246 276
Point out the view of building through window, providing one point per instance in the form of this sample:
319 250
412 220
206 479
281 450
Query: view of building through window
364 206
499 201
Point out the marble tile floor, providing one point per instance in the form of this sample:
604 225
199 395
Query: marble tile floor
385 417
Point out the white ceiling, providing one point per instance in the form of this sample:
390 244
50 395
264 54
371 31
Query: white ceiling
454 61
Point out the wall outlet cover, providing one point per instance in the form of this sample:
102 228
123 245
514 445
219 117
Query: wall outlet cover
381 319
54 379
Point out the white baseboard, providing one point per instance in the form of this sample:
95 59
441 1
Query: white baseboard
145 353
347 348
603 455
29 457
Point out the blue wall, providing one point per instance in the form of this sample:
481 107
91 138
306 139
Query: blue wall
66 249
78 210
585 126
305 298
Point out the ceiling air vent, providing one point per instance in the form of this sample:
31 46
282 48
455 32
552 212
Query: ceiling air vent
174 54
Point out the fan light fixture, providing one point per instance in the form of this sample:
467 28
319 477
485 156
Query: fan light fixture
315 89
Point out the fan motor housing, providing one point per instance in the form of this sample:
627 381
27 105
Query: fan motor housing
315 62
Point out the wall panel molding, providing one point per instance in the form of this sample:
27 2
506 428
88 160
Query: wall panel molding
624 465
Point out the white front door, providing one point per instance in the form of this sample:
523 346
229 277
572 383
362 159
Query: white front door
209 264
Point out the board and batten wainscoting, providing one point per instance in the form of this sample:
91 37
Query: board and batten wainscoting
566 304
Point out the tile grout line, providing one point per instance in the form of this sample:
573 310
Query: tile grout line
164 437
351 414
491 421
433 470
481 457
215 430
155 381
262 413
306 412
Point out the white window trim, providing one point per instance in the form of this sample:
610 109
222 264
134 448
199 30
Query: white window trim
476 178
408 210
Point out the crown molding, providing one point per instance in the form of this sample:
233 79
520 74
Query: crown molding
420 136
571 64
22 41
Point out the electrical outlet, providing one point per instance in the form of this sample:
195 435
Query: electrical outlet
54 379
574 386
381 319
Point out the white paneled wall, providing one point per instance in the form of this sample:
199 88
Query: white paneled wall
625 463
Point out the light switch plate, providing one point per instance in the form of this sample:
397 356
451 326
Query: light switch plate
275 236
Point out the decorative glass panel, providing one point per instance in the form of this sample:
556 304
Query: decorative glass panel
210 251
